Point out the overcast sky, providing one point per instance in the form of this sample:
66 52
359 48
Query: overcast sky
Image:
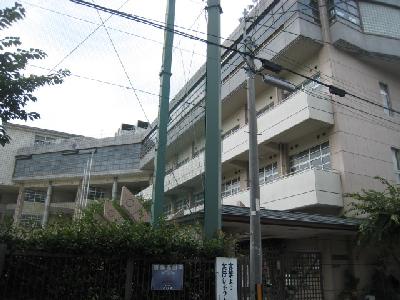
87 107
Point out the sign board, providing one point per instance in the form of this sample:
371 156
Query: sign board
167 277
226 278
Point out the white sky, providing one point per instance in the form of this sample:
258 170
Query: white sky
95 109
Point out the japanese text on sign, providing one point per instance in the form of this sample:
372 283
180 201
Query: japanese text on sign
226 278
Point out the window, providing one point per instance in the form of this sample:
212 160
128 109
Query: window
347 10
168 208
32 220
181 204
198 199
35 196
95 193
268 173
42 140
230 187
315 157
386 99
396 162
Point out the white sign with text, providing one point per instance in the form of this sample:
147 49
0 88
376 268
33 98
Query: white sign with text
226 278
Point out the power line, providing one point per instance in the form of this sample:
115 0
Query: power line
333 89
123 67
101 81
85 39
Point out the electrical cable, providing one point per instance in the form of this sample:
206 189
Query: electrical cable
86 38
333 89
101 81
123 67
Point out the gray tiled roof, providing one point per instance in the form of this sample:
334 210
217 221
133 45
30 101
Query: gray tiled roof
290 216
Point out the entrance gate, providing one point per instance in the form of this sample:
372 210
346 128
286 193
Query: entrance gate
286 275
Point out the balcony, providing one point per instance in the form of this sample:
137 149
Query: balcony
309 188
298 115
292 118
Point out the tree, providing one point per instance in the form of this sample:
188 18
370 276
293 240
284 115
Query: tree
16 88
380 229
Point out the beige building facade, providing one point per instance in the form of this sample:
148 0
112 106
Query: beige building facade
314 147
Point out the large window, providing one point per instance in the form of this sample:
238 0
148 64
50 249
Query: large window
396 161
168 208
230 187
268 173
35 196
198 199
315 157
347 10
31 220
181 204
95 193
41 140
387 105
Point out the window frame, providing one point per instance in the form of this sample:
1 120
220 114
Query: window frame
35 196
396 162
264 178
305 159
230 187
385 96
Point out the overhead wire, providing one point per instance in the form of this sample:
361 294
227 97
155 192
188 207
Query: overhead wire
100 81
86 38
187 35
123 67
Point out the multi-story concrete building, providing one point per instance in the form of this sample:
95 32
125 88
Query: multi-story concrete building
47 173
313 146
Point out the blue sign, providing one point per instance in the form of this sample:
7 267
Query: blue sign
167 277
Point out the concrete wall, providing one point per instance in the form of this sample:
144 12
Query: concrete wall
361 141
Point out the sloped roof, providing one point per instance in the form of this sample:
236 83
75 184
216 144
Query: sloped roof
291 217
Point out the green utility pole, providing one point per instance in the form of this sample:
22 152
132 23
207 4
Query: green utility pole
157 208
212 194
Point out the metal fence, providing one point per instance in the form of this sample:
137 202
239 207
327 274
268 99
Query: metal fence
286 276
34 276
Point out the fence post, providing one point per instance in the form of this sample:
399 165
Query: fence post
128 282
3 249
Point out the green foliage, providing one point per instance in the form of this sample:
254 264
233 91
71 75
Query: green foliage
381 227
16 88
93 236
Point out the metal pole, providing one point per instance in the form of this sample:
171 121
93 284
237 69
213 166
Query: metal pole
255 232
163 115
212 174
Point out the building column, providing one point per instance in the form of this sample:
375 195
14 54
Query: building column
47 204
329 286
77 197
114 192
283 165
19 206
